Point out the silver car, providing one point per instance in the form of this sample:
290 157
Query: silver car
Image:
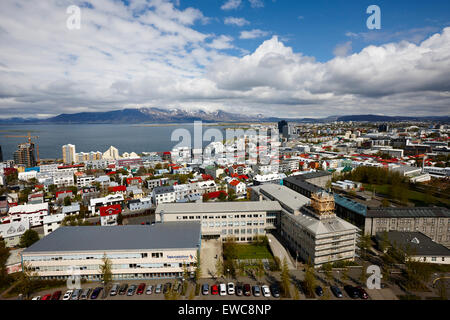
85 294
76 294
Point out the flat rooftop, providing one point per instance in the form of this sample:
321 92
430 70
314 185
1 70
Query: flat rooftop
169 235
218 207
413 212
283 194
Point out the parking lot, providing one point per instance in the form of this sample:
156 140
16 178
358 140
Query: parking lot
190 292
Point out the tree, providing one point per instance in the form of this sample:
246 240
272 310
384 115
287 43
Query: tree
25 280
222 196
231 195
4 255
310 279
198 270
260 270
364 244
105 270
28 238
67 201
120 218
285 279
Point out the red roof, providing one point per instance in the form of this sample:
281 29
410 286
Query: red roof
129 180
71 166
63 192
117 189
235 182
207 177
215 194
110 173
110 210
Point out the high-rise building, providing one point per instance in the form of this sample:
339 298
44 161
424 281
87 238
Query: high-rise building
1 154
111 154
24 155
281 125
68 152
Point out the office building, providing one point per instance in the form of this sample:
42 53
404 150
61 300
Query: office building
135 251
24 155
243 221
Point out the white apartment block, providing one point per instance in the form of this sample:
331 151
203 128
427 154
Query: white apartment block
85 181
12 231
96 203
34 213
243 221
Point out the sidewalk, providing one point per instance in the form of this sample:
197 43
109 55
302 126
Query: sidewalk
279 251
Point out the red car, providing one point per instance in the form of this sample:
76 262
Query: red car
56 295
47 297
215 289
140 289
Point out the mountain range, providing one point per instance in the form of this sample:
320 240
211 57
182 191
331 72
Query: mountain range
158 115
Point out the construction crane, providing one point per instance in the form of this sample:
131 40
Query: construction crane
29 137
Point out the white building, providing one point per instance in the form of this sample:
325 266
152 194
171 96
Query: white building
243 221
239 187
69 153
11 232
34 213
63 179
85 181
136 251
27 176
96 203
52 222
111 154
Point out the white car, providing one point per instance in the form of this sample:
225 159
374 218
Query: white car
149 290
230 287
222 289
266 291
67 295
37 298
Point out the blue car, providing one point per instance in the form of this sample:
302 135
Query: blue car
96 292
336 291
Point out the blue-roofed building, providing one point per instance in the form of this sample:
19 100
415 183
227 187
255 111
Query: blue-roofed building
350 210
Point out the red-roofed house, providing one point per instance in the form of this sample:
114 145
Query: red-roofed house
238 187
137 181
60 195
118 189
109 214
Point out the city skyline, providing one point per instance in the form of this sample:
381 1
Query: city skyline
277 58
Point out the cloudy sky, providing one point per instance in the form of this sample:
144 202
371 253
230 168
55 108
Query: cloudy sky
273 57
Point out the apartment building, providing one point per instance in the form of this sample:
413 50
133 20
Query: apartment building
52 222
96 203
243 221
69 154
34 213
135 251
85 181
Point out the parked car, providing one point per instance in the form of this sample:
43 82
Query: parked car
351 291
256 291
265 291
36 298
362 293
140 289
47 297
123 289
239 289
149 289
96 292
167 287
205 289
336 291
131 290
76 294
67 295
247 290
158 288
214 289
85 294
223 289
56 295
114 290
319 291
230 288
275 290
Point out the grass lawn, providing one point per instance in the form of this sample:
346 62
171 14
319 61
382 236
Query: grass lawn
251 251
418 198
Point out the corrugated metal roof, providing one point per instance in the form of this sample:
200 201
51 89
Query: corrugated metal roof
169 235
